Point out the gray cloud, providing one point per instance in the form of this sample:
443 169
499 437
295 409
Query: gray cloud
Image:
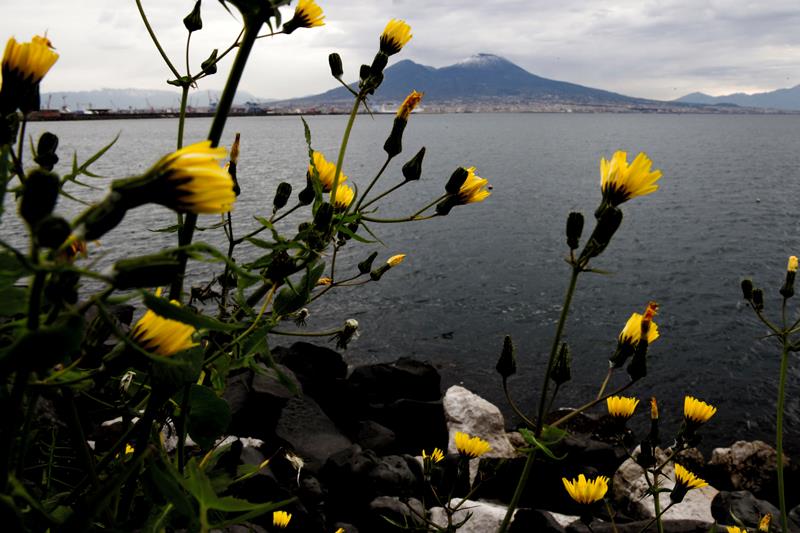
650 48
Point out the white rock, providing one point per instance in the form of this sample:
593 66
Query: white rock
469 413
486 517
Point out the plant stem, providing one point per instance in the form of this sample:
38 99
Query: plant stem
589 405
779 432
343 147
384 193
523 481
155 40
214 135
182 114
657 502
372 183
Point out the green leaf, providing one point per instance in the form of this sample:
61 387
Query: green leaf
169 229
164 478
178 369
291 299
163 308
11 269
209 416
530 438
84 168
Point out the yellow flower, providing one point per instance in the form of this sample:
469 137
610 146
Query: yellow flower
324 281
620 182
621 406
340 530
585 491
24 65
343 197
395 260
792 266
307 14
734 529
326 171
471 446
696 411
687 479
435 456
653 408
409 104
129 449
763 524
395 36
194 181
473 190
632 332
161 335
281 519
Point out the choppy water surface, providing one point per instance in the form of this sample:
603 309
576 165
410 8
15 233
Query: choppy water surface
726 209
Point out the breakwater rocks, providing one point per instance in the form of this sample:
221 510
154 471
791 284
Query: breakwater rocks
354 440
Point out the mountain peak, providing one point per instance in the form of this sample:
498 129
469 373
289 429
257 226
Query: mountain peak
482 60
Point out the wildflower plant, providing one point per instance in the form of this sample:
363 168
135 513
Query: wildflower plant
166 371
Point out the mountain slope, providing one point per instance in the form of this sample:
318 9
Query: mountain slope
788 99
123 99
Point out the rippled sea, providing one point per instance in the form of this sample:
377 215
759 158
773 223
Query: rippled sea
727 208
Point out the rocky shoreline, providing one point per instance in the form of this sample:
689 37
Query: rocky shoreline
359 435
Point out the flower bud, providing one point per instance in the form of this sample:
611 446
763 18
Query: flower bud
456 180
443 208
412 170
282 194
193 22
747 289
349 332
758 299
335 62
561 371
101 218
364 73
306 196
323 217
145 271
637 368
787 291
209 66
608 222
9 127
574 229
366 265
39 195
52 231
653 436
379 63
507 364
394 143
46 151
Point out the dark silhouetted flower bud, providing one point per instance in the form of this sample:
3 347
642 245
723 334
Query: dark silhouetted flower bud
52 231
335 62
366 265
443 208
507 364
637 368
306 196
39 196
46 151
787 291
456 180
282 194
561 372
209 66
323 217
193 22
394 143
747 289
146 271
758 299
608 223
574 229
364 72
412 170
101 218
379 63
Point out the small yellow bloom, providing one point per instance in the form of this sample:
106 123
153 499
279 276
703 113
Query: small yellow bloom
281 519
471 446
307 14
632 332
696 411
343 197
620 182
409 104
194 181
340 530
473 190
435 456
324 281
129 449
621 406
161 335
792 266
734 529
585 491
395 36
28 62
687 479
763 524
326 171
395 260
653 408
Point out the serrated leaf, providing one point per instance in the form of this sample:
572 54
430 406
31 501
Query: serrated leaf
530 438
83 168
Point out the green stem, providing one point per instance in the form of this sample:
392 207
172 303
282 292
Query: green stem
413 218
657 503
343 147
214 135
513 404
182 114
21 143
181 425
554 349
155 40
372 183
589 405
523 481
779 433
385 193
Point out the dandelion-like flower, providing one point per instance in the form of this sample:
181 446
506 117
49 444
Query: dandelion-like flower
343 196
24 65
191 180
696 411
162 336
734 529
619 181
792 266
326 171
281 519
307 14
471 447
395 36
632 332
763 524
684 482
473 190
435 456
409 104
395 260
621 406
585 491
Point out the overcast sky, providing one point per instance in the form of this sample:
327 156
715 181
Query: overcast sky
654 49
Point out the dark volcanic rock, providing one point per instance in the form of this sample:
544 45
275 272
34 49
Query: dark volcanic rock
373 436
743 505
392 476
405 378
256 400
395 509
